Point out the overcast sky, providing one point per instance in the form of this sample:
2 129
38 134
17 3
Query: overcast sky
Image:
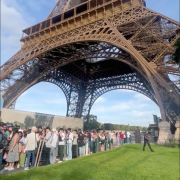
119 106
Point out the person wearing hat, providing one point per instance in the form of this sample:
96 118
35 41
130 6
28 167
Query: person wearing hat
31 144
146 141
53 146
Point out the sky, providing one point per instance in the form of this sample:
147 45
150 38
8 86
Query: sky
118 106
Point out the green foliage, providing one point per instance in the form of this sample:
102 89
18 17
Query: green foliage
128 162
92 124
20 124
176 56
172 143
29 121
109 126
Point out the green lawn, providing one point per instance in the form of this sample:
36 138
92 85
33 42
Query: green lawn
124 163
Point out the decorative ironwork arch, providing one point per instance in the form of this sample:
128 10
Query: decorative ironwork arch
129 82
129 27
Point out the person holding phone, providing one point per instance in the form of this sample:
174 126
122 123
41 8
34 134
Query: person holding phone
13 154
146 141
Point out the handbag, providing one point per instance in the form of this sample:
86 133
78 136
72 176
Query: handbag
23 150
5 155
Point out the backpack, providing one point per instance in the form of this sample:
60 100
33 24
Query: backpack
3 142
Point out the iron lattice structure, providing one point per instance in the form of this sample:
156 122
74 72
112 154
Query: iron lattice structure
88 48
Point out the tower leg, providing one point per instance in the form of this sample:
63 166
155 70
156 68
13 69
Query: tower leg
177 133
164 133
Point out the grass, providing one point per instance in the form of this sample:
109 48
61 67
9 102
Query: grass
124 163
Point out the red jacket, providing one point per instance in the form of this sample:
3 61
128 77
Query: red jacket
121 136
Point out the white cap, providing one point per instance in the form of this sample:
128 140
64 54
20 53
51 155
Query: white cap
54 130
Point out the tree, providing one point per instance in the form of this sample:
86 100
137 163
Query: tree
176 56
22 126
92 123
29 121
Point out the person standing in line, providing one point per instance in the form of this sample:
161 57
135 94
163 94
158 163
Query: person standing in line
106 142
89 142
23 153
56 154
121 137
21 142
146 141
65 145
117 139
81 144
128 137
40 130
69 143
86 143
53 146
31 144
74 146
61 145
13 154
92 141
7 134
102 139
47 147
109 140
114 140
3 145
111 134
125 137
1 149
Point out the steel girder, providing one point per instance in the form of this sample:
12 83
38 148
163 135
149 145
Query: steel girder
146 36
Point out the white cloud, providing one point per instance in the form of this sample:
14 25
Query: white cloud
12 24
55 101
136 113
17 15
100 100
119 107
141 97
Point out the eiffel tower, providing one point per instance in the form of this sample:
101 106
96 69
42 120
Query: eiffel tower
88 48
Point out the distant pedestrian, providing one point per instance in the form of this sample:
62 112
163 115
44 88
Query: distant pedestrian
74 145
128 137
125 137
47 147
13 154
121 137
61 144
146 141
53 146
31 144
69 143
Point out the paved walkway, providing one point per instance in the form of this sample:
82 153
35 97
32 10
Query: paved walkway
8 172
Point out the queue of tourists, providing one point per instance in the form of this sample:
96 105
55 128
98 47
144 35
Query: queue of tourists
20 148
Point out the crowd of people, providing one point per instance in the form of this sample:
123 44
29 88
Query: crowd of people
20 148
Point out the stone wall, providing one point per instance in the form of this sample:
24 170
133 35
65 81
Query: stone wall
21 117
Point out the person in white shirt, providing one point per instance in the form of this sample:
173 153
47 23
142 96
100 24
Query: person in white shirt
31 144
61 144
47 147
53 146
69 144
128 137
111 134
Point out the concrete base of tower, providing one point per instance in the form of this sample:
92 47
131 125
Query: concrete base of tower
177 133
164 133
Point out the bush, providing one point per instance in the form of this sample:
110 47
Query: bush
172 143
